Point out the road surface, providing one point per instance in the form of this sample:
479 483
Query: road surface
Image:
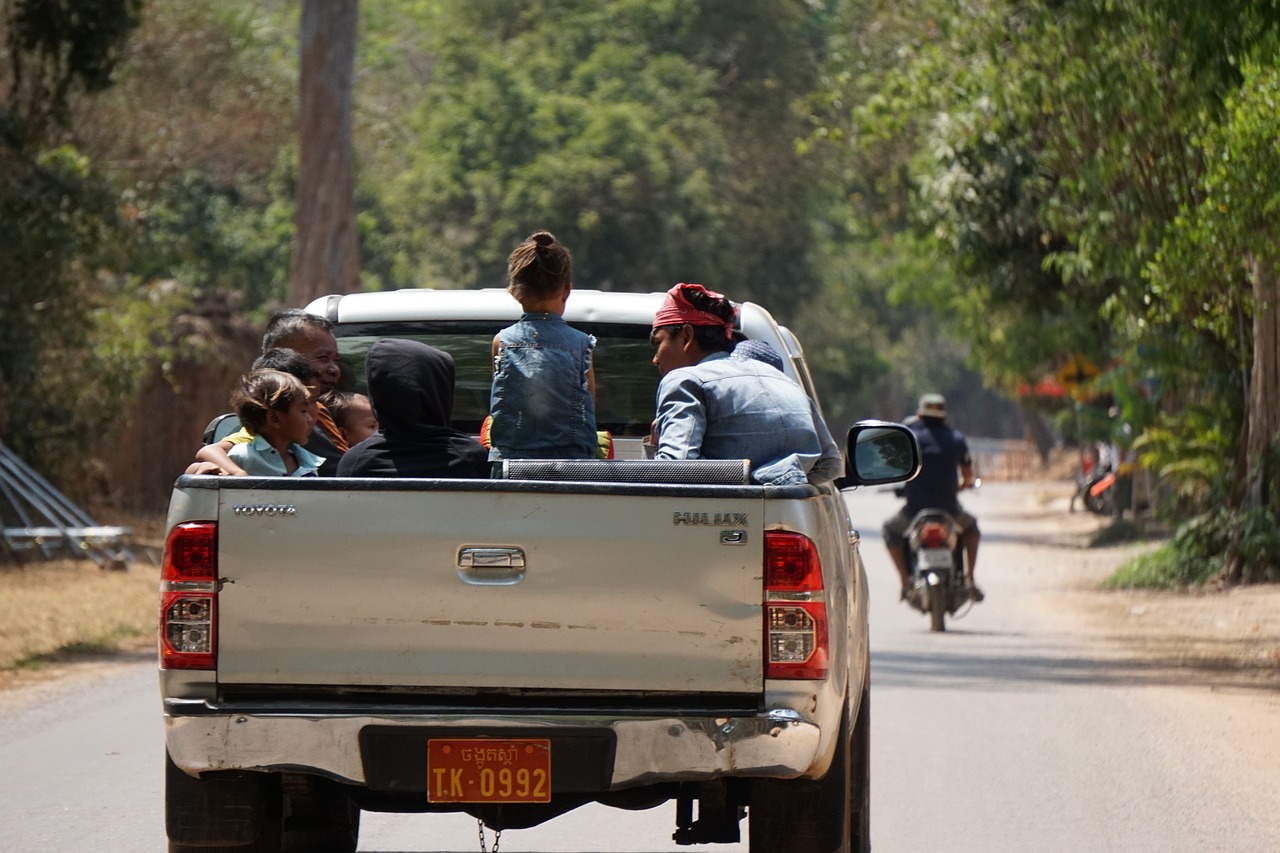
1010 732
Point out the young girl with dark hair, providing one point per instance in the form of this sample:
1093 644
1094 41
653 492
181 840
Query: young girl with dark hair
543 394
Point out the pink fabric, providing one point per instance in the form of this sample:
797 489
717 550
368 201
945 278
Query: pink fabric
676 309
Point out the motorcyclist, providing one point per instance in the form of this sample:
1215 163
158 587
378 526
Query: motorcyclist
943 451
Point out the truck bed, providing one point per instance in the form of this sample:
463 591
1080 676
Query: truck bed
488 584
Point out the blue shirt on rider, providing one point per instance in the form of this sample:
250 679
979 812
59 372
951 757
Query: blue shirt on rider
740 408
943 451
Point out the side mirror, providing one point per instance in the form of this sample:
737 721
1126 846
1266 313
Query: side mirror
878 453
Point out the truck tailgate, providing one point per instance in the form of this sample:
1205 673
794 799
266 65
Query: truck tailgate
337 594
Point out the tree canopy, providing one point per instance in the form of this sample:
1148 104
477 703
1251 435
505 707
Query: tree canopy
935 197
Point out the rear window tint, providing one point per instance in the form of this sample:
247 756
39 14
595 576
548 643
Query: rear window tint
626 379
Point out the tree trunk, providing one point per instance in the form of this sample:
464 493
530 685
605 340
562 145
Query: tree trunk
1262 417
326 252
1037 430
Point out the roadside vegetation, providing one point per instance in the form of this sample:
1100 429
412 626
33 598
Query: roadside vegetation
1193 555
1060 215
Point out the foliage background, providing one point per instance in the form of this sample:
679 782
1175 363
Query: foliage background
935 196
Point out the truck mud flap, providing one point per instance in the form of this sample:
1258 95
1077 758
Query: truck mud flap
223 809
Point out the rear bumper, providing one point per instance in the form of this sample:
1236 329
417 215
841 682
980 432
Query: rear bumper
773 744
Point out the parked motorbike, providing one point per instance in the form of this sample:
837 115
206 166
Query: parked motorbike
935 556
1096 490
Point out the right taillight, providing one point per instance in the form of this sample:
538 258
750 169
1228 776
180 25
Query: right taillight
795 608
189 597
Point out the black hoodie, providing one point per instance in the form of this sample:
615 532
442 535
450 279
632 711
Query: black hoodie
411 388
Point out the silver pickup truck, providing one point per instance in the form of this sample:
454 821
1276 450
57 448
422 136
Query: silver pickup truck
623 631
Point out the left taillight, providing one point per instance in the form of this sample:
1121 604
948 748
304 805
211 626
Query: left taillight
795 608
189 597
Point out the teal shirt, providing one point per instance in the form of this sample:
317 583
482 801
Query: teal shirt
259 459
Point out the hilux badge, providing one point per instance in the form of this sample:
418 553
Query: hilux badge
710 519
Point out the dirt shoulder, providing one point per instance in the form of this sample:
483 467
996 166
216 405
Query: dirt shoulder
1209 659
64 616
1218 638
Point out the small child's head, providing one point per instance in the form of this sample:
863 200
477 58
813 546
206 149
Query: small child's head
289 361
353 413
273 404
539 268
296 364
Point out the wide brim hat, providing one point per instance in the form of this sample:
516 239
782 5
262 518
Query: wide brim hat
932 406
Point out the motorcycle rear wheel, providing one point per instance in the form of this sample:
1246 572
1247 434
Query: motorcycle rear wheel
937 609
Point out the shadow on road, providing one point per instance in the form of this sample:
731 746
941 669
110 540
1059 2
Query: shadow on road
1032 669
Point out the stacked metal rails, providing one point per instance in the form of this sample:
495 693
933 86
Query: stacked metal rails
41 523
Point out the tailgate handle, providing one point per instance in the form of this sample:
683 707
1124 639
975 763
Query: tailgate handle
492 566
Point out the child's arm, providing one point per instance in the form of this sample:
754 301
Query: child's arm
216 455
591 377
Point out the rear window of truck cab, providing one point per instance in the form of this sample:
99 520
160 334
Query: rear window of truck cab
626 379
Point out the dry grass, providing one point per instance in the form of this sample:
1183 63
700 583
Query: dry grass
73 605
62 609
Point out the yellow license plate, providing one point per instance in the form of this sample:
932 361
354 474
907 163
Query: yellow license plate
488 770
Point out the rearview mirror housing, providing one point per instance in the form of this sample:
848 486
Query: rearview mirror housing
879 453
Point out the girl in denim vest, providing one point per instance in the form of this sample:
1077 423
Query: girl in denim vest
543 394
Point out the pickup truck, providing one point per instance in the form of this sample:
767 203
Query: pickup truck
623 631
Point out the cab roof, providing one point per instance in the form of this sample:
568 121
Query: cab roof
494 303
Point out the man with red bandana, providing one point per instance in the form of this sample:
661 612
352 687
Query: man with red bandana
712 406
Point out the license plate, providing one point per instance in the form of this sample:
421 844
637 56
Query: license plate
935 558
488 770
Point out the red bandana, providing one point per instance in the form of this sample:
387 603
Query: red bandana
676 309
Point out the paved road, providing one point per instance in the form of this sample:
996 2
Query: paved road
1007 733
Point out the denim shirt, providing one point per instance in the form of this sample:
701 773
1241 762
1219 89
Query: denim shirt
729 408
540 402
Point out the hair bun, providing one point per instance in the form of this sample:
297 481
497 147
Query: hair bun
543 238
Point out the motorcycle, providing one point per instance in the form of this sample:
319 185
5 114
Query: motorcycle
1096 490
936 559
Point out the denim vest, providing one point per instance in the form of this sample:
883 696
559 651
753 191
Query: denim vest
541 406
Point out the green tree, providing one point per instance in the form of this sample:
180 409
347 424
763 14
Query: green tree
55 48
657 139
58 221
1219 256
908 281
199 138
1052 149
131 201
